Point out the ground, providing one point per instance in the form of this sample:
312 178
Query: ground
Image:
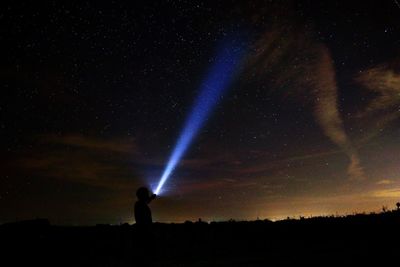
323 241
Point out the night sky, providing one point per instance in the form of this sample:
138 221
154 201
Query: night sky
94 97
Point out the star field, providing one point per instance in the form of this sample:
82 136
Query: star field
94 96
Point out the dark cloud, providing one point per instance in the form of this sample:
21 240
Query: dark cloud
92 161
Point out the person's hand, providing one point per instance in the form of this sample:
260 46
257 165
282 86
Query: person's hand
153 196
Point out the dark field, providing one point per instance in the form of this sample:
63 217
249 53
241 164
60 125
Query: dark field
322 241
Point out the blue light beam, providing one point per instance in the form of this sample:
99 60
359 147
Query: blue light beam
217 81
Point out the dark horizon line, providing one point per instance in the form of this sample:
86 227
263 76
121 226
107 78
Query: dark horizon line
46 222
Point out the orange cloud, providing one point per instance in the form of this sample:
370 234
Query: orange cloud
387 193
384 182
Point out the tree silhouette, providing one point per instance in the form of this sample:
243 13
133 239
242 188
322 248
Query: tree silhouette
398 206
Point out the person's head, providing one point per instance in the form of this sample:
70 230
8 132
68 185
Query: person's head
143 194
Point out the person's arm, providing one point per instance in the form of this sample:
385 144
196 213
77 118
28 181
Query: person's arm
153 196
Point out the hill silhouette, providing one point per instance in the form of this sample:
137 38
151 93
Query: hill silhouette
318 241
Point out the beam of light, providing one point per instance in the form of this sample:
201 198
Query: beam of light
216 82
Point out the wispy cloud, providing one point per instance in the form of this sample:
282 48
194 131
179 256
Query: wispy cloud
387 193
327 113
287 57
383 109
384 182
384 81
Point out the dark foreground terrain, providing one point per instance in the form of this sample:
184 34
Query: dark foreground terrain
358 240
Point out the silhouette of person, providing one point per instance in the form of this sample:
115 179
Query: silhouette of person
142 210
143 237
